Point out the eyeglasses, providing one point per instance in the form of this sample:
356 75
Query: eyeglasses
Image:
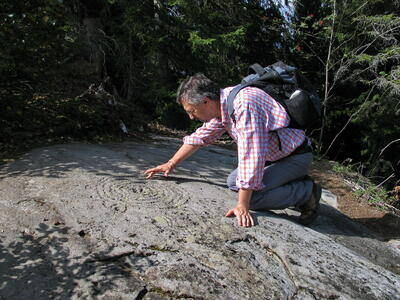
191 112
194 110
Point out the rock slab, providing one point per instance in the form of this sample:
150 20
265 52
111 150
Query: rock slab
80 221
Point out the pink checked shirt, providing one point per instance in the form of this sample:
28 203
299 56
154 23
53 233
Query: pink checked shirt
256 114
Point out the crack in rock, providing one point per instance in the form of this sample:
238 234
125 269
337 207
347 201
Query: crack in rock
117 257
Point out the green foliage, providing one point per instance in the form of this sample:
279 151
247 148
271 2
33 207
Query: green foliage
218 52
171 115
341 169
33 38
363 83
173 39
376 196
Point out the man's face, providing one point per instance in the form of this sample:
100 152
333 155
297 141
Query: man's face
203 111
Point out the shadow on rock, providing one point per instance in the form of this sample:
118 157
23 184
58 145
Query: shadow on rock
40 266
179 180
353 235
388 223
124 160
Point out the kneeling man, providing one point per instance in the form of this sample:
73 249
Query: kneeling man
273 160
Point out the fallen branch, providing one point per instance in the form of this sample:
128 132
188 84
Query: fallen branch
398 140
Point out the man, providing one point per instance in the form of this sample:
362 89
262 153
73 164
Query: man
273 160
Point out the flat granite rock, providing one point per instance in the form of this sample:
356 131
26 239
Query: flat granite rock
80 221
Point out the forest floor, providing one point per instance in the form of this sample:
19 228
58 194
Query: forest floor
378 220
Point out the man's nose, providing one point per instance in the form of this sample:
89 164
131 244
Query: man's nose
191 117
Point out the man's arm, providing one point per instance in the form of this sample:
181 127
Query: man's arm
203 136
251 120
184 152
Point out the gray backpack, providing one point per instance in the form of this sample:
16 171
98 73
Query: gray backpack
288 87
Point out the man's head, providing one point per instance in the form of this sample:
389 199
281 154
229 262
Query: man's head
199 97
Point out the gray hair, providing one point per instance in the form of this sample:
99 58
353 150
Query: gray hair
194 88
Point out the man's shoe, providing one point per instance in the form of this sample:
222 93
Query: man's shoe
309 210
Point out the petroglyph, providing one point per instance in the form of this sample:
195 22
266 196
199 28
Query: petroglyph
143 194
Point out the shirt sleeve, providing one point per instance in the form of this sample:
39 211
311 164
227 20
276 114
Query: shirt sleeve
206 134
252 133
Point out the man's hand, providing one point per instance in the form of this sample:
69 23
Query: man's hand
184 152
242 214
164 168
241 211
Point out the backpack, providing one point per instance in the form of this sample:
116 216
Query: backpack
287 86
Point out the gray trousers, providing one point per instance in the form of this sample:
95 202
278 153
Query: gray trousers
285 185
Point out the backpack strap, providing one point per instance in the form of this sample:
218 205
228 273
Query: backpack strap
233 93
231 97
231 111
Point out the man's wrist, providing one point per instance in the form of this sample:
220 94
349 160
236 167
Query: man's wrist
171 163
244 198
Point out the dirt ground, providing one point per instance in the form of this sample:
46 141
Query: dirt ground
376 220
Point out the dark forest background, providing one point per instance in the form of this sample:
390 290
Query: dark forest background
133 54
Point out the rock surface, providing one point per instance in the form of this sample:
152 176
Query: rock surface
80 221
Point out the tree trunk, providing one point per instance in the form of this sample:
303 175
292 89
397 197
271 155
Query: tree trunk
161 58
93 39
93 33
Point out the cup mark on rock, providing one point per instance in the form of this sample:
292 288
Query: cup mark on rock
150 193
